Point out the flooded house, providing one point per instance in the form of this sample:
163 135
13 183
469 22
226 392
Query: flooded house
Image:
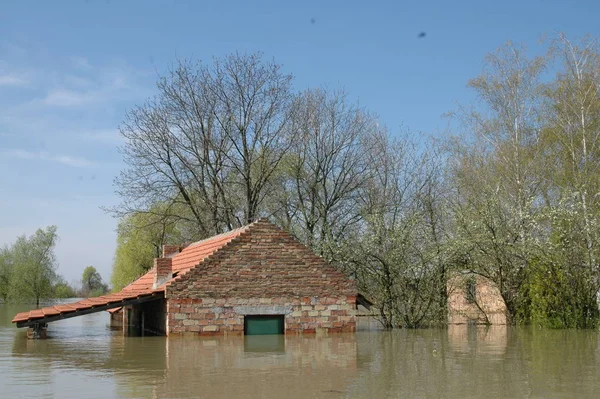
474 299
257 279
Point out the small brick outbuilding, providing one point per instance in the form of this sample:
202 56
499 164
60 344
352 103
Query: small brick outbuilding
252 279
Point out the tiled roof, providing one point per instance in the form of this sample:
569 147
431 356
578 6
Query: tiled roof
190 256
71 309
195 253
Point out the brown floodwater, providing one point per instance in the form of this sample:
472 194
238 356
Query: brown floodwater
83 358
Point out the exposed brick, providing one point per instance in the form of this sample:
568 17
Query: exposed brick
169 250
263 266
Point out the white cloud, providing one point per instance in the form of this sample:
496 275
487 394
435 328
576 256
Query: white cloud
65 98
76 162
12 80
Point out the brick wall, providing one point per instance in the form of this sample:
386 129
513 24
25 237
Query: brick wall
226 316
263 271
170 250
162 271
488 307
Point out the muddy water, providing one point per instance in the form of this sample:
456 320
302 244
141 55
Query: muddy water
85 359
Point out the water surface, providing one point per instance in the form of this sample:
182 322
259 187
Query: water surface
84 358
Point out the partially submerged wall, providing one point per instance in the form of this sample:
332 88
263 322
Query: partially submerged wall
264 271
148 318
474 299
226 316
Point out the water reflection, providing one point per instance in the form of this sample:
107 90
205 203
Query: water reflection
473 339
84 358
260 366
264 344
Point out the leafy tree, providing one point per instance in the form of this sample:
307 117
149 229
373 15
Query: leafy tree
140 237
495 173
34 265
526 205
6 272
91 282
63 290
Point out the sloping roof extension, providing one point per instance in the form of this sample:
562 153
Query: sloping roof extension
138 291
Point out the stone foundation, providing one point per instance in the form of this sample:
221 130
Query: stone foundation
305 315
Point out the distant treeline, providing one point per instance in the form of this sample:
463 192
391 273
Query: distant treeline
28 271
512 195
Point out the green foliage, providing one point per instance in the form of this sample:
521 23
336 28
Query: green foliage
561 289
514 200
527 211
6 269
63 290
558 299
91 282
140 237
399 271
34 266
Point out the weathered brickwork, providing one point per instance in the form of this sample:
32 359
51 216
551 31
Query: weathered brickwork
169 251
262 271
485 307
226 316
162 271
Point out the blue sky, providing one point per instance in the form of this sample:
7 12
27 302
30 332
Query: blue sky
70 70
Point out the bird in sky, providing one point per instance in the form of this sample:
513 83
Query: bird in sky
422 35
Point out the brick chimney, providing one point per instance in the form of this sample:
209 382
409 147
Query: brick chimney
162 271
168 251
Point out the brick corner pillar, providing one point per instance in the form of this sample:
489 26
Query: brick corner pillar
162 271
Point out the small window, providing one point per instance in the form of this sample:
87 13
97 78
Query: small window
471 289
263 324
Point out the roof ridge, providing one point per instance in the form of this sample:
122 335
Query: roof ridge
240 229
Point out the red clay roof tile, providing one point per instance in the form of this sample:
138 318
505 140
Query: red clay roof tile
189 257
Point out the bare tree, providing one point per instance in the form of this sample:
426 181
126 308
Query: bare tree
326 168
208 143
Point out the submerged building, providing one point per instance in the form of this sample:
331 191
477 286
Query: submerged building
257 279
474 299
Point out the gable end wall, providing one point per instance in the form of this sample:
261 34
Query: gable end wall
263 271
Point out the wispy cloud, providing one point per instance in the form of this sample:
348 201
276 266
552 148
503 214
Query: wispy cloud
76 162
66 98
13 80
107 136
104 86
